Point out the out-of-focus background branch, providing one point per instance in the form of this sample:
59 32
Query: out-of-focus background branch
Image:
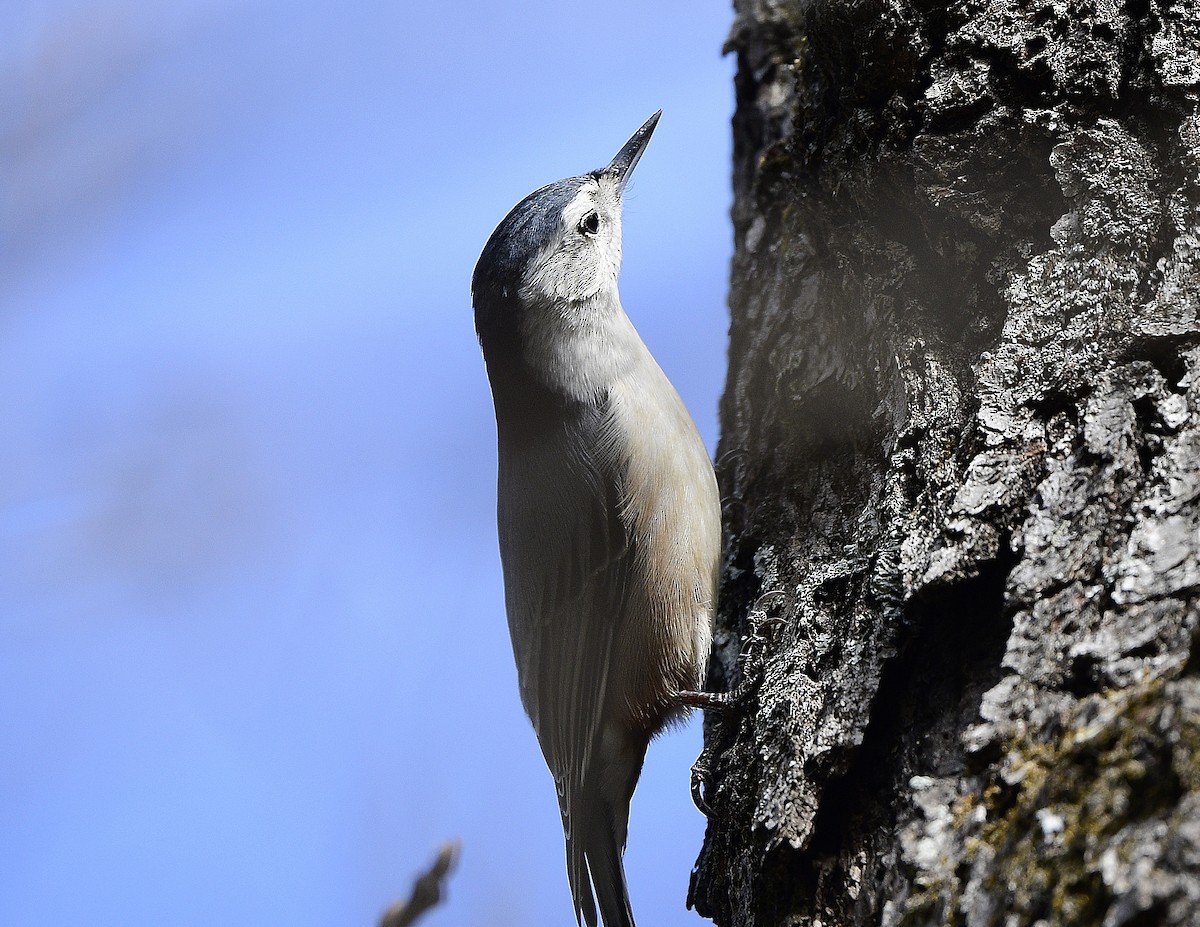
427 891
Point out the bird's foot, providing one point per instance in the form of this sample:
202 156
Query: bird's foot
708 701
702 770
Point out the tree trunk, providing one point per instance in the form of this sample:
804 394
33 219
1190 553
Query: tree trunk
961 468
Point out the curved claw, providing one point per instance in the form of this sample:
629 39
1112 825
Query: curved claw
701 779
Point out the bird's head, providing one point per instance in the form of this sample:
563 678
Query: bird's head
558 248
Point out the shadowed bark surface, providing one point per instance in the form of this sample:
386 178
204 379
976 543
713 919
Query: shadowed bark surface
961 467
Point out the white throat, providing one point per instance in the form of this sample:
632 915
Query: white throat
574 333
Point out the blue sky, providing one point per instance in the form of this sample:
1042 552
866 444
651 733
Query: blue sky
254 666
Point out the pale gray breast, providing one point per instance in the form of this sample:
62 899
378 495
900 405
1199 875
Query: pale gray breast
670 492
671 510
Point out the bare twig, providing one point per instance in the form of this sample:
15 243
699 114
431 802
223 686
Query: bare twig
427 890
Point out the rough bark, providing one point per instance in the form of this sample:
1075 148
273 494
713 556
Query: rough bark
961 464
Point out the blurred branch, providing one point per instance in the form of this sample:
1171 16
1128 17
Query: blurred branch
427 890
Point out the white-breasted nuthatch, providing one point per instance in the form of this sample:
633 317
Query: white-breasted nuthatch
609 518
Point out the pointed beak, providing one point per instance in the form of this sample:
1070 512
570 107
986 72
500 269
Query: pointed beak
627 158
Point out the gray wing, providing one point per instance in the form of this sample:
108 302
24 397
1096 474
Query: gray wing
567 568
566 563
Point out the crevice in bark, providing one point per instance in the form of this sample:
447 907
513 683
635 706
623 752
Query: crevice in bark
952 654
1166 354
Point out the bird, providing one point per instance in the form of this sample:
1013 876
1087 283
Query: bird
608 513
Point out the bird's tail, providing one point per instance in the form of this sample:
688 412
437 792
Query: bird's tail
595 832
595 820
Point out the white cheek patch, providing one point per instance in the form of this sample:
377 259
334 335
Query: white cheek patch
573 266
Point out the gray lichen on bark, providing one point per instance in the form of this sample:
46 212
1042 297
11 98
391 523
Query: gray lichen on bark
960 460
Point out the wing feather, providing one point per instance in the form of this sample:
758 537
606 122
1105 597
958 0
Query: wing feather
567 559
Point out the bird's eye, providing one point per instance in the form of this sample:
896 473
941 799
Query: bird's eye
590 224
